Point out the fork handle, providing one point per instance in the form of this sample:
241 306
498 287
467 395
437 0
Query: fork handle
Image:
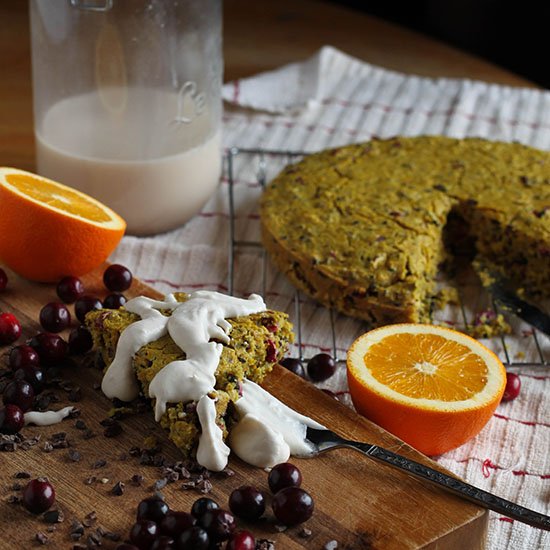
456 486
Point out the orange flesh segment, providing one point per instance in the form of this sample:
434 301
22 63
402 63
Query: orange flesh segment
60 198
427 366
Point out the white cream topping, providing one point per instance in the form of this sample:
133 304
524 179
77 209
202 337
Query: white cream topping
277 416
268 430
212 452
47 418
258 444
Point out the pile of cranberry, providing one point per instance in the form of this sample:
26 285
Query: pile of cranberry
208 526
46 349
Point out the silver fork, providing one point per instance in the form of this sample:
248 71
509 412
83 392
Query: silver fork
325 440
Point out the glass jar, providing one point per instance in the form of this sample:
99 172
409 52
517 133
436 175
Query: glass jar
127 103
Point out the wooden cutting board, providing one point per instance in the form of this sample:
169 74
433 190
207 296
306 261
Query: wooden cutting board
359 503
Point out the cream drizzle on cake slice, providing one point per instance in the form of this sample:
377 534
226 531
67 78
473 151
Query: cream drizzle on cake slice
197 326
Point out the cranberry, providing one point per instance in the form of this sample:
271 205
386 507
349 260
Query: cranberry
3 279
12 419
320 367
292 506
55 317
38 495
247 502
163 543
282 476
33 375
114 301
219 524
20 393
86 304
10 329
51 348
513 387
203 505
175 523
23 356
293 365
241 540
153 508
69 289
80 341
143 533
195 538
117 278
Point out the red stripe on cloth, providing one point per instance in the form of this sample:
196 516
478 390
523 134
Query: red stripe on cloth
236 90
487 464
524 422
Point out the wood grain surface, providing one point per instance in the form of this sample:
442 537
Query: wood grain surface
359 503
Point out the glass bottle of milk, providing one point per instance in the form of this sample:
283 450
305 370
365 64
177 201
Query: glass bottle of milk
127 103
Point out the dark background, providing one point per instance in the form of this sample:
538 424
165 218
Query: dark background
514 35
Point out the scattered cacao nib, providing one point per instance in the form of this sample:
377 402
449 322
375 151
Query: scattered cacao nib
90 518
93 540
109 535
160 484
134 451
227 472
118 489
74 455
90 480
280 528
204 486
113 430
16 487
53 516
14 499
75 395
191 484
265 544
107 421
101 463
88 434
77 530
48 447
22 475
331 545
30 442
80 425
305 533
137 480
41 538
51 528
74 413
8 446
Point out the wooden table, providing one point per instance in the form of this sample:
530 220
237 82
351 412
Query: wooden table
257 36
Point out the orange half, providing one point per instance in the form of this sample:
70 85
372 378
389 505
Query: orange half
49 230
433 387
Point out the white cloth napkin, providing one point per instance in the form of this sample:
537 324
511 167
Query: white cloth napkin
333 99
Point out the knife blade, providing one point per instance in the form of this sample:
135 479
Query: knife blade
503 295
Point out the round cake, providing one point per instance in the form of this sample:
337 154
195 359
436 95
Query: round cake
361 228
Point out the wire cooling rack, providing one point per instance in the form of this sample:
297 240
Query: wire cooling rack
317 328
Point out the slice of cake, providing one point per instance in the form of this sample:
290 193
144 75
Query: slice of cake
226 341
361 228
